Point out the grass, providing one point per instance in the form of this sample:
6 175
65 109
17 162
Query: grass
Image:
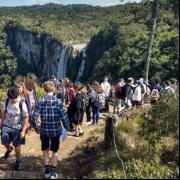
90 160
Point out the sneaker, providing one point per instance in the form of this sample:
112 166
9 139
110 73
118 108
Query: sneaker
75 135
8 153
81 134
46 174
54 176
88 123
18 165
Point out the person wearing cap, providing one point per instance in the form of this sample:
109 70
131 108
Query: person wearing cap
136 99
174 84
107 89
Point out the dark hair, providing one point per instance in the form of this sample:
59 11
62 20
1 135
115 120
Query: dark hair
157 81
168 83
69 85
129 80
13 93
173 80
52 77
29 84
88 87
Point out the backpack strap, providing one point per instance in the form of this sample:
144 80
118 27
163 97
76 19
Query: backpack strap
6 104
20 104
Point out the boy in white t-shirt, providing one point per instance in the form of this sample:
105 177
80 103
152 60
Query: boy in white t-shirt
13 124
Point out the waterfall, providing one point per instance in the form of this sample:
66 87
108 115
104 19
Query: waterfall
81 68
62 63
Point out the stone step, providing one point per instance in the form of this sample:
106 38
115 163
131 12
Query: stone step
23 175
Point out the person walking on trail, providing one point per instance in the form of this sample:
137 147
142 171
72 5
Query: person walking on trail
31 98
137 98
117 99
13 124
126 93
59 88
77 106
107 89
52 113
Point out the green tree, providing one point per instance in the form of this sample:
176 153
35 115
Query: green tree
151 38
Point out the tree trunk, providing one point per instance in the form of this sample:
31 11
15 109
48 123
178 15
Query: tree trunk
151 38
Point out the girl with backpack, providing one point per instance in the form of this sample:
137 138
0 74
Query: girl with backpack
97 102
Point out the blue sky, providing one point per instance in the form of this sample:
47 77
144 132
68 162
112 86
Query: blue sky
64 2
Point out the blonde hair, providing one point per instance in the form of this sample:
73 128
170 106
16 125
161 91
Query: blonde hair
49 86
24 90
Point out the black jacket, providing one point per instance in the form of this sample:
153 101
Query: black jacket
126 91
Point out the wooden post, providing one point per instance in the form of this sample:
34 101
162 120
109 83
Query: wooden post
108 136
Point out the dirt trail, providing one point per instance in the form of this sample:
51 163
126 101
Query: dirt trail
31 154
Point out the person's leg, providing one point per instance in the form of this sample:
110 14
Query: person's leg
97 115
45 149
82 115
81 132
106 104
94 113
69 112
54 148
76 129
6 140
118 103
17 141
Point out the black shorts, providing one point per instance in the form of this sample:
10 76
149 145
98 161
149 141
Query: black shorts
76 122
51 143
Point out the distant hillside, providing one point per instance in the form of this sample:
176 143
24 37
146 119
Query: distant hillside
117 36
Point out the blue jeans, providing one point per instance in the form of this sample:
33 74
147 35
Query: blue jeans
95 113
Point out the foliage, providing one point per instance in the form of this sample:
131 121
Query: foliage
39 92
163 120
143 159
3 95
117 38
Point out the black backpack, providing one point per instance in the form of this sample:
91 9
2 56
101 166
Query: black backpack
20 104
60 88
119 92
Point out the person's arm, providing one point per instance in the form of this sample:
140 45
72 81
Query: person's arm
25 125
3 115
34 119
64 117
25 119
3 118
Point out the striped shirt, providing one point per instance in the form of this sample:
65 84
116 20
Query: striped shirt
51 111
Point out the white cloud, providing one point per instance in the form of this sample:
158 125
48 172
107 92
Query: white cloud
41 2
107 2
113 2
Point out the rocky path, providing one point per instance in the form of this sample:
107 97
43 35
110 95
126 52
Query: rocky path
32 163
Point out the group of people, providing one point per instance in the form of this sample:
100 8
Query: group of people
64 104
137 93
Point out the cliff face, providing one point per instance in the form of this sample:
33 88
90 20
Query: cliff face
41 53
44 56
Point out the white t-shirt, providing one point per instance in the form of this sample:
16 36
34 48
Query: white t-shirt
14 116
106 87
137 94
